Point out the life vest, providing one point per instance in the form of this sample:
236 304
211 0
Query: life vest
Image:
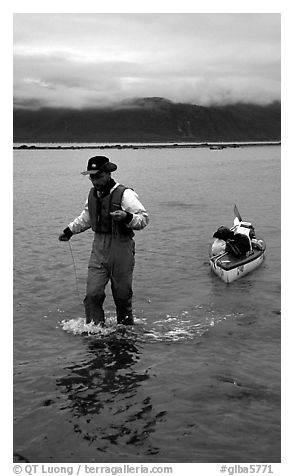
100 209
245 228
239 246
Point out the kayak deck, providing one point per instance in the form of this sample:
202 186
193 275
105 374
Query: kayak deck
229 268
228 262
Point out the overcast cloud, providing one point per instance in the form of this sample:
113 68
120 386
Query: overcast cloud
80 60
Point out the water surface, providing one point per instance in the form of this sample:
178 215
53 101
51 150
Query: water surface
197 379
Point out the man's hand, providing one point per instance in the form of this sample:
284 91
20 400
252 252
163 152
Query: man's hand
118 215
66 234
63 237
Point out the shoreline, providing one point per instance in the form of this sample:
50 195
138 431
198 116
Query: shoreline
159 145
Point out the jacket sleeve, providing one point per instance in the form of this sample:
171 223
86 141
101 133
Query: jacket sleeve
137 217
82 222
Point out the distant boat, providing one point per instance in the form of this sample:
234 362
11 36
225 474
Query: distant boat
217 147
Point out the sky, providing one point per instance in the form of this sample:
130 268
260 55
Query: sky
82 60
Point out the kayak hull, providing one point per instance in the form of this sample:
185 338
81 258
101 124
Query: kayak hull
229 268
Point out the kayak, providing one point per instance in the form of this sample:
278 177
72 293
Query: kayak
229 267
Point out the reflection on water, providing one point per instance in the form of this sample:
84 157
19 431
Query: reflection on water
92 384
102 395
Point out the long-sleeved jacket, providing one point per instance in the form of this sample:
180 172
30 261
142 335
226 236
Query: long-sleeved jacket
137 217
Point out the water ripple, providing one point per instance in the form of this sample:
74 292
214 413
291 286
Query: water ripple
168 328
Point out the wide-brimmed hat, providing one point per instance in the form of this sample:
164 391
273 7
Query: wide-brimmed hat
99 163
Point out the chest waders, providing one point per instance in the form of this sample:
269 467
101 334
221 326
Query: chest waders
112 258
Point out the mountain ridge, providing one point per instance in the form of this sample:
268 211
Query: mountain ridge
152 119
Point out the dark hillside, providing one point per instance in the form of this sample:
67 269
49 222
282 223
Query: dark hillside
150 120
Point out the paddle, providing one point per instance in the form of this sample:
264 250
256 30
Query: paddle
237 214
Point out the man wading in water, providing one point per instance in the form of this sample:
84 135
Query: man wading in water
113 211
